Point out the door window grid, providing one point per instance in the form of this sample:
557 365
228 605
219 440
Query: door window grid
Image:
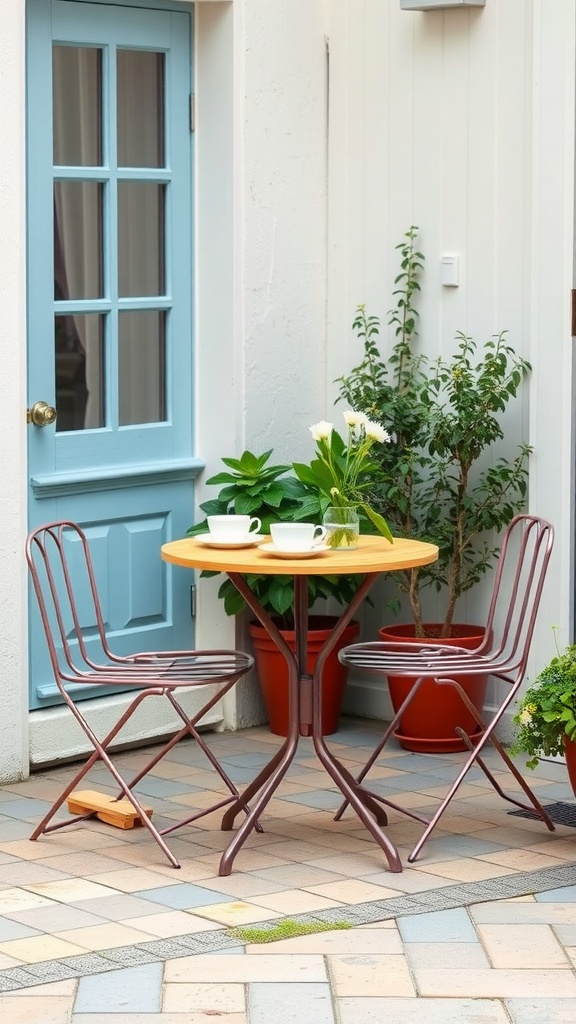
110 236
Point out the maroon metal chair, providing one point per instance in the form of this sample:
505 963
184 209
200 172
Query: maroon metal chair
64 581
503 653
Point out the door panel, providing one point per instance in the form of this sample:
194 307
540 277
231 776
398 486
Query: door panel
110 304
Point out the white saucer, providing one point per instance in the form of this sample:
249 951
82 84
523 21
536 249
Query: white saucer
205 538
270 549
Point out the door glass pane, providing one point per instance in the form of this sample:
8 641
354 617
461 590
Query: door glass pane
77 106
140 238
79 371
77 240
140 108
141 367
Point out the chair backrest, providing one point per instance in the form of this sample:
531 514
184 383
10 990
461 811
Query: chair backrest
519 580
64 582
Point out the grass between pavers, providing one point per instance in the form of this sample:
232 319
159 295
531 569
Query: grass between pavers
286 929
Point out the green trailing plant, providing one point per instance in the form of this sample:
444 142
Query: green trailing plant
546 714
254 487
441 478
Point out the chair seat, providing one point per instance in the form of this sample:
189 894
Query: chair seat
167 669
402 659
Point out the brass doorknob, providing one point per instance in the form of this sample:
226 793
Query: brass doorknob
41 414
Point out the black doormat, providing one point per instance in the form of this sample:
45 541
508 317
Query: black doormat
559 813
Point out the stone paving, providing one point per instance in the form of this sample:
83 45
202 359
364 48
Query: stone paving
95 926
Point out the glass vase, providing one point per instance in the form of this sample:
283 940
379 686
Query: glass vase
343 526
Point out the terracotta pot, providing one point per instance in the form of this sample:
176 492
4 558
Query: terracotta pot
273 671
570 754
428 724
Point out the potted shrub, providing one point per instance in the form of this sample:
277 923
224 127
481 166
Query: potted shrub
442 479
546 716
253 486
340 476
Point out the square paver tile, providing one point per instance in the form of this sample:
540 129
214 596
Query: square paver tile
542 1011
438 926
351 891
290 1003
35 1008
120 906
39 947
370 975
527 946
294 901
438 954
410 1011
499 984
267 967
238 913
70 890
105 936
135 990
217 999
182 897
14 900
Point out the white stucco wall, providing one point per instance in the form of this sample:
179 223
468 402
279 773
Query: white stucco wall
13 651
261 229
285 196
462 122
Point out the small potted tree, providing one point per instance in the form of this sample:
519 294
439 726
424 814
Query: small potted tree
442 478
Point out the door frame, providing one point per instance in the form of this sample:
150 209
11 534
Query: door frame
220 91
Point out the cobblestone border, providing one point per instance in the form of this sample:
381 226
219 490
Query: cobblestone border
161 950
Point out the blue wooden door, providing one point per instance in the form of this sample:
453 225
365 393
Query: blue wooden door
110 263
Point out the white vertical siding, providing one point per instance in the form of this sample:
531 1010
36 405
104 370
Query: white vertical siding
462 122
13 645
284 223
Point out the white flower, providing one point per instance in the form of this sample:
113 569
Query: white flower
376 432
321 431
525 717
355 419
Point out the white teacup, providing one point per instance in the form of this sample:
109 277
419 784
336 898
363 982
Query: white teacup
296 536
232 529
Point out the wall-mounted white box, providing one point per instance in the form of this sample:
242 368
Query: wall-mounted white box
431 5
450 270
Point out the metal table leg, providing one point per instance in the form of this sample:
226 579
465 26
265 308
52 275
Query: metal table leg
263 787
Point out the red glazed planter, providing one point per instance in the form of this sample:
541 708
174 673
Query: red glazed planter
570 754
273 671
428 724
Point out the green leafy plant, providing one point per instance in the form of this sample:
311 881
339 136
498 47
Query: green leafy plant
546 713
441 479
343 473
254 487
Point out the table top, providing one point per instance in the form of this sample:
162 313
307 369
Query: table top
373 554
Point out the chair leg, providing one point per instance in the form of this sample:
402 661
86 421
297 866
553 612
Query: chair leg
474 757
189 729
382 743
100 754
536 805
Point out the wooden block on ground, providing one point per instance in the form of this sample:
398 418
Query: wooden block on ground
119 813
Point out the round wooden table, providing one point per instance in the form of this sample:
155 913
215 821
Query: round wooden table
373 556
